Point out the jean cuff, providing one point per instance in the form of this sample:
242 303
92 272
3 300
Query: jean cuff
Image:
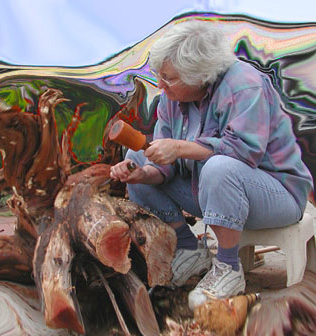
220 220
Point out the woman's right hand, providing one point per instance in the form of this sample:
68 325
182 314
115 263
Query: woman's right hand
122 172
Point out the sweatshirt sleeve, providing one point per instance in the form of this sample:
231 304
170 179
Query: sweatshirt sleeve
244 123
163 130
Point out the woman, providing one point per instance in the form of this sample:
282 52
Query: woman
223 150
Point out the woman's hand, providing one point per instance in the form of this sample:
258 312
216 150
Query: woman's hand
163 151
122 172
145 175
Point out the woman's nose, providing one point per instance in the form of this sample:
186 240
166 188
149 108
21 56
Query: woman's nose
161 84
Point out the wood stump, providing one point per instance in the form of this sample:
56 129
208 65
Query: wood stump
76 233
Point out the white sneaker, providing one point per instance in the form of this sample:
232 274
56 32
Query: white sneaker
187 263
221 281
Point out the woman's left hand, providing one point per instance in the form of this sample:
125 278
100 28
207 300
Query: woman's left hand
163 151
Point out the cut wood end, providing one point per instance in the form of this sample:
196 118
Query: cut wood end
145 316
61 315
113 247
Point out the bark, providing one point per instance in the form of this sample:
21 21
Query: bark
32 141
138 303
16 256
86 216
44 171
114 302
17 146
155 240
62 217
52 273
95 225
26 224
3 182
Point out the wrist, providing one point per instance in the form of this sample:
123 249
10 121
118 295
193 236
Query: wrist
180 148
145 175
152 175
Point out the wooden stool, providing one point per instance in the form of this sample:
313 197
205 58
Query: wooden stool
292 240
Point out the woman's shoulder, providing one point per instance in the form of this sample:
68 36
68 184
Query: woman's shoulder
242 75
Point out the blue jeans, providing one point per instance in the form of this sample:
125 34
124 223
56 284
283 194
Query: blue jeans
231 194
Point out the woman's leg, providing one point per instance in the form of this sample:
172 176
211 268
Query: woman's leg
167 202
234 196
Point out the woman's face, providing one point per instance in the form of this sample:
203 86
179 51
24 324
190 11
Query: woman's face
169 81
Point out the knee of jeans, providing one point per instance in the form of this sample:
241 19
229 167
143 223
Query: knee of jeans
218 168
138 193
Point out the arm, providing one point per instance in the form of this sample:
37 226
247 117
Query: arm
167 147
166 151
163 152
245 126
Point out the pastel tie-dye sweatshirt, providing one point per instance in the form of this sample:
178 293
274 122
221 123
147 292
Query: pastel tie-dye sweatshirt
241 117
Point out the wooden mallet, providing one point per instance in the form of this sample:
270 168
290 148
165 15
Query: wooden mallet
125 135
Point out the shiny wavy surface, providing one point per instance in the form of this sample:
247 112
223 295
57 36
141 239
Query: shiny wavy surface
18 316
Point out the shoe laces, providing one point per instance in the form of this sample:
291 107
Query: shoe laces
211 278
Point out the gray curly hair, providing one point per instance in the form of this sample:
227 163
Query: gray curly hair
197 50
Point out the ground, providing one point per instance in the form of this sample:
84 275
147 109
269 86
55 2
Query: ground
7 221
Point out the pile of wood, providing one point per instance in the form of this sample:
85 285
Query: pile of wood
86 247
